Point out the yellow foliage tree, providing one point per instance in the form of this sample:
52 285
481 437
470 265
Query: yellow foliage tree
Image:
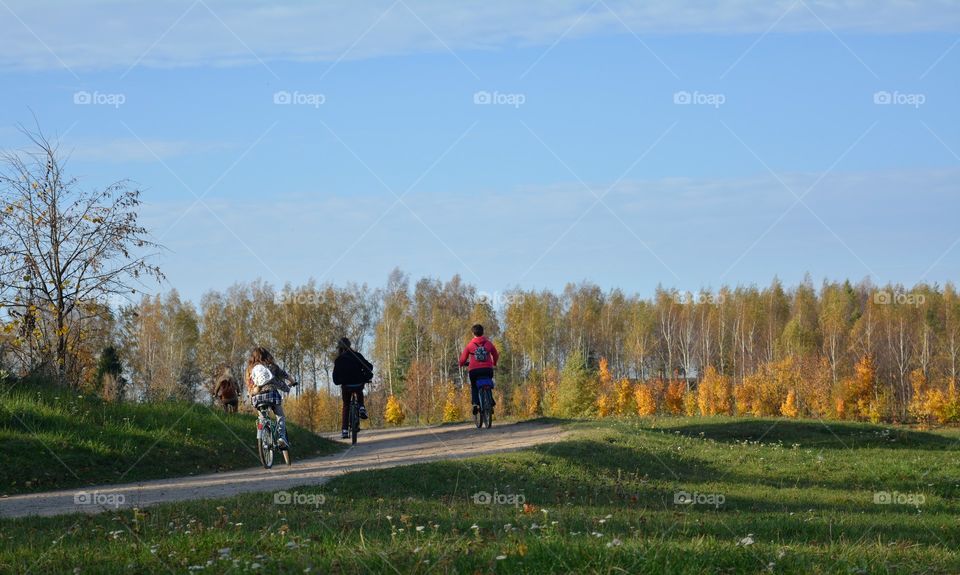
534 398
501 405
941 406
621 393
315 410
645 399
690 403
714 395
816 388
918 401
840 408
393 414
745 394
516 400
858 393
789 407
605 405
550 392
606 402
451 408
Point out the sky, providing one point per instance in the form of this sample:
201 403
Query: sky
681 143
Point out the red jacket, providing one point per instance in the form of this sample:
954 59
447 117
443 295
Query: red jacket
469 352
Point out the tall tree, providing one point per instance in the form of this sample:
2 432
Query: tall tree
62 247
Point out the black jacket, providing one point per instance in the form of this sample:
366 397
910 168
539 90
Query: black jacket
351 369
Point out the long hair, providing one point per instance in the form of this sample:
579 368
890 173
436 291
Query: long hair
258 356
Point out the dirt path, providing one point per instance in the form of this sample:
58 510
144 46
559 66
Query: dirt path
376 449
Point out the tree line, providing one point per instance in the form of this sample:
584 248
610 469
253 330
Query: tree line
837 350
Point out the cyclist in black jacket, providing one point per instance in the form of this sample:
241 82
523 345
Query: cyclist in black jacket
351 371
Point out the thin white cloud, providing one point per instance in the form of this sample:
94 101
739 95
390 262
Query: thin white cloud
114 34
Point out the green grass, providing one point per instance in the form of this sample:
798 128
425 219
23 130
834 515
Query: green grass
55 439
798 498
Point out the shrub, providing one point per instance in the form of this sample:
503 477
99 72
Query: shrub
714 395
578 388
675 396
645 399
789 407
393 413
858 392
690 403
622 396
605 405
534 397
451 408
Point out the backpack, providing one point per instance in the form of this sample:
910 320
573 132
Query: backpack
262 377
366 374
481 353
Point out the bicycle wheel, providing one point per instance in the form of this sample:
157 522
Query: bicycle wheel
487 407
478 416
265 445
354 420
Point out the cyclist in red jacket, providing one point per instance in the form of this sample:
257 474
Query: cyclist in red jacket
481 356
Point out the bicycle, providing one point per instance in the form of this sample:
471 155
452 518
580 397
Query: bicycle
268 438
354 417
484 415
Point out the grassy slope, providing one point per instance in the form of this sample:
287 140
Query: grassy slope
54 439
603 501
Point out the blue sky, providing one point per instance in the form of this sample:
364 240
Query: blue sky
588 165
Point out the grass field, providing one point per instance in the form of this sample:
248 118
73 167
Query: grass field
768 496
52 439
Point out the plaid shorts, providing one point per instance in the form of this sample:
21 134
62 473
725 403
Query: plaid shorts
272 397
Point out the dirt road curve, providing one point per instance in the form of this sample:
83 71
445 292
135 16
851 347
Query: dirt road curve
376 449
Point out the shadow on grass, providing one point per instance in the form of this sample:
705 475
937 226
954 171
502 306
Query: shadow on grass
812 433
611 458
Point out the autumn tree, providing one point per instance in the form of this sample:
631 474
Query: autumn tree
451 408
62 248
578 390
393 411
714 394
